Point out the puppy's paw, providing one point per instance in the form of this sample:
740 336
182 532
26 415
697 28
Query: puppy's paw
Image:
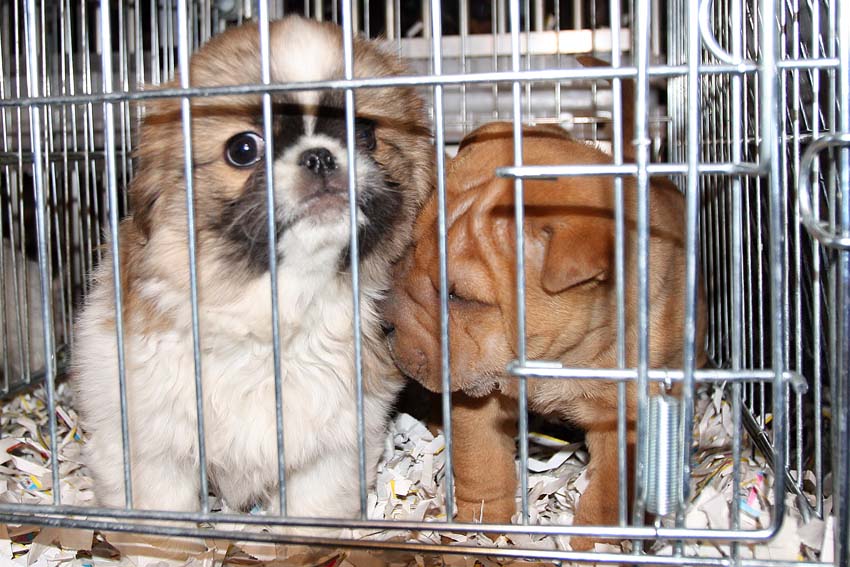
595 508
587 543
496 511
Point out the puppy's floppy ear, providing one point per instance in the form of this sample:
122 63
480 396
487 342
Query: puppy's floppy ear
158 163
577 252
144 191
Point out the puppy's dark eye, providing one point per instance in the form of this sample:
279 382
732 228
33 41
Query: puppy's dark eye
243 149
465 298
455 296
365 132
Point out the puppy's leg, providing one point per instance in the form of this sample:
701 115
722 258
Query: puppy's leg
598 505
324 488
161 480
483 431
168 484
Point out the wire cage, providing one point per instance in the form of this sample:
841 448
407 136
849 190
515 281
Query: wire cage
741 103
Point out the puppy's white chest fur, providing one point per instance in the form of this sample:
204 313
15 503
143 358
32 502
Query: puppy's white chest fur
237 368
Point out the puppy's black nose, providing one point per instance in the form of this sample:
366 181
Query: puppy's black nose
318 160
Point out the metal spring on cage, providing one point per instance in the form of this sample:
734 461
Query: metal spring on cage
663 478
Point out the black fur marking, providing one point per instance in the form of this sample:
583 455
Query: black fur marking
244 221
331 122
288 125
244 225
331 117
381 203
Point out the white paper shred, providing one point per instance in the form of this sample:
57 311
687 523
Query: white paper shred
409 487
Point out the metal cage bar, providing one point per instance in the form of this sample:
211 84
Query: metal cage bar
745 111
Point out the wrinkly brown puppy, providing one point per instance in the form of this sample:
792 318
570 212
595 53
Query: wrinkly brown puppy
571 309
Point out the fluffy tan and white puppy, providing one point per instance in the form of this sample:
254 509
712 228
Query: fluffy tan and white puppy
394 169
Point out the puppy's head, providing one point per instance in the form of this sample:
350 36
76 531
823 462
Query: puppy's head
392 157
568 254
569 228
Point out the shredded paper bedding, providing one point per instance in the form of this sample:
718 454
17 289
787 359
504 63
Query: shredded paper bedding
409 487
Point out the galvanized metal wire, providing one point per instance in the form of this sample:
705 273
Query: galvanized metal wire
745 111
